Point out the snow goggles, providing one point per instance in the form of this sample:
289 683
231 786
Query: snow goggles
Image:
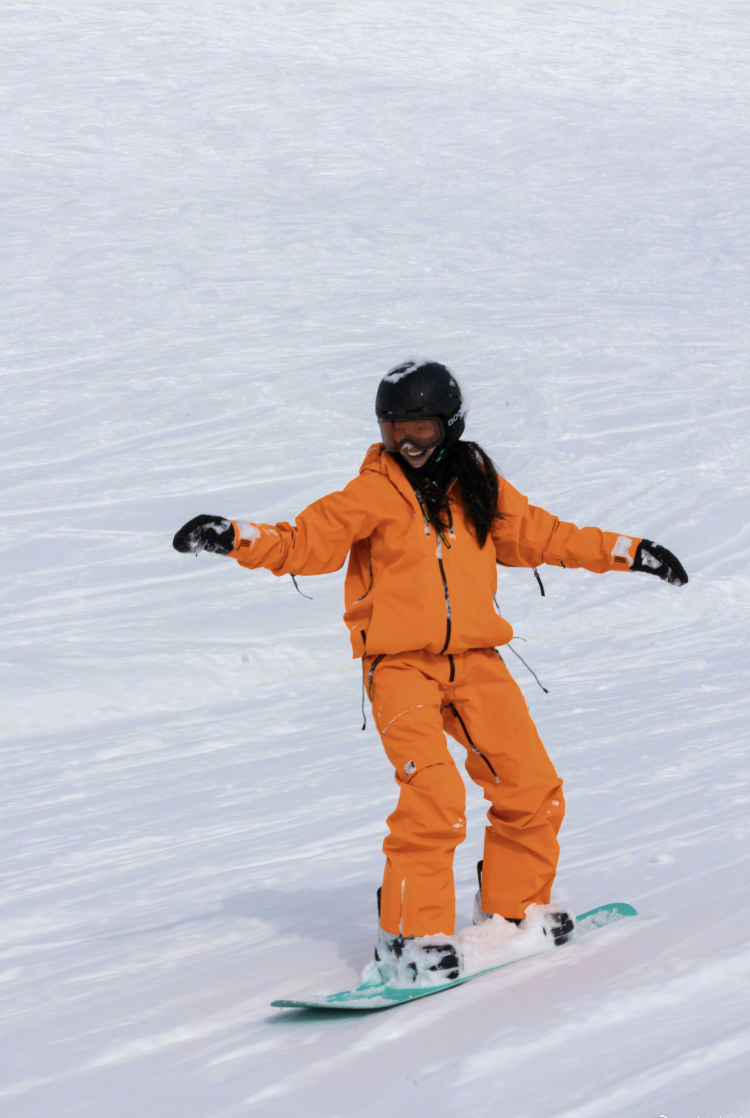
423 433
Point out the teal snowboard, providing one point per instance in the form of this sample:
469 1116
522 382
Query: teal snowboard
383 997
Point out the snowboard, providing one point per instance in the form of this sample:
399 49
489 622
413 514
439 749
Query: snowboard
382 996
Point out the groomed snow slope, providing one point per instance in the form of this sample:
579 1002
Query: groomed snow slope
221 224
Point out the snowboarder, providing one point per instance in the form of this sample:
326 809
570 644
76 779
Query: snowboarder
425 524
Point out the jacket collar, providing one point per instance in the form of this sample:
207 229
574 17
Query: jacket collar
378 460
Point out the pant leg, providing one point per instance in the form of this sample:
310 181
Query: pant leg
418 896
525 793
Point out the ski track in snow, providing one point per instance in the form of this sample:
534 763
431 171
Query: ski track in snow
222 224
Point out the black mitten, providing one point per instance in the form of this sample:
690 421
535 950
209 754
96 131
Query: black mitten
205 533
653 559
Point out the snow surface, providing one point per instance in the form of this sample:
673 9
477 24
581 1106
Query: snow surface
221 224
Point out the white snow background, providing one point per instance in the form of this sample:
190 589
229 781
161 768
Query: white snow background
221 224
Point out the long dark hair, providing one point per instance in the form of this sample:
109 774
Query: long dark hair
476 475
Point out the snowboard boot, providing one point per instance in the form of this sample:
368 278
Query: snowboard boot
417 960
557 921
479 914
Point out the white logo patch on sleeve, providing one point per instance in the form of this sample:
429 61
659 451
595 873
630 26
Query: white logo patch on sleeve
621 552
248 531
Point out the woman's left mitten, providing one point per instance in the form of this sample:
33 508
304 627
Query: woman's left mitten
653 559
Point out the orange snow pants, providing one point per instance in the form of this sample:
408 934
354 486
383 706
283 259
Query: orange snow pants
415 697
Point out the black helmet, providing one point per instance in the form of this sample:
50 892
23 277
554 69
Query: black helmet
421 389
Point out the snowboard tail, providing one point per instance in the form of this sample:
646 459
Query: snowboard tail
383 996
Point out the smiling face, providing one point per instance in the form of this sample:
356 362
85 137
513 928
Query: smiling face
415 455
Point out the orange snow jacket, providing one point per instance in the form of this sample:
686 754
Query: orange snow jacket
408 588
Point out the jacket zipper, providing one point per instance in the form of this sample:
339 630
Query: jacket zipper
440 539
471 743
418 495
447 595
369 564
453 669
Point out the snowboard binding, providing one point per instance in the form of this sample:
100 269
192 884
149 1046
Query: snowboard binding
417 960
557 921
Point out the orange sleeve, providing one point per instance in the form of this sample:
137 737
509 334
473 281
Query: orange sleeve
527 536
324 533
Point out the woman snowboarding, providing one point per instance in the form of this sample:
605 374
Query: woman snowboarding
425 524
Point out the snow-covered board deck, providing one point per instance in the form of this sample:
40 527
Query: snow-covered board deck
383 996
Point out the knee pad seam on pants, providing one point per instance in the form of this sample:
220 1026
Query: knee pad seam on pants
417 706
424 768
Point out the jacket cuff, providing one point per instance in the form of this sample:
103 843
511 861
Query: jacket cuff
623 552
245 535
